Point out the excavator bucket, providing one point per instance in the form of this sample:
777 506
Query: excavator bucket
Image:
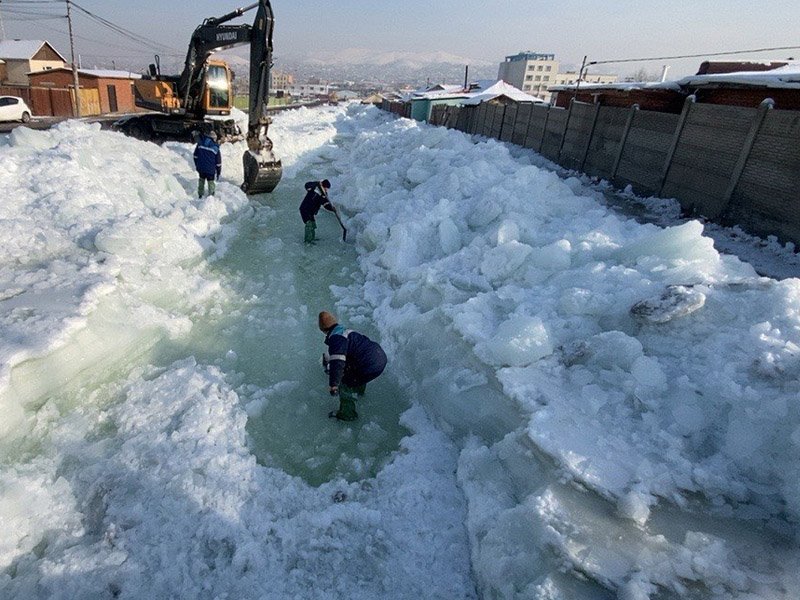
262 172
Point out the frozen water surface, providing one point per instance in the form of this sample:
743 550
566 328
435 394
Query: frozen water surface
267 340
577 405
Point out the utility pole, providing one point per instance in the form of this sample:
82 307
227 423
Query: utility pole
74 66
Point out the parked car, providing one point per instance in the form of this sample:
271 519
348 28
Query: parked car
13 108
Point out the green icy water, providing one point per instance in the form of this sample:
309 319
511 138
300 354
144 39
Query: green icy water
266 340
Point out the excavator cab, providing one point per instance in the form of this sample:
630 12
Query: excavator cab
218 95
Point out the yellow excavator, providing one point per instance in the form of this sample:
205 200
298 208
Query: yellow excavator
191 103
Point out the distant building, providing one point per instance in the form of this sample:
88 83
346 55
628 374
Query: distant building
569 77
531 72
309 90
535 72
280 80
25 56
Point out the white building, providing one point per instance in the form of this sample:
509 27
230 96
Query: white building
309 90
535 72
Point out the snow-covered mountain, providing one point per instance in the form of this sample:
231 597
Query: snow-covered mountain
360 64
364 56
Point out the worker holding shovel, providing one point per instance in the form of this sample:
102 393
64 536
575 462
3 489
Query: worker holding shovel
316 198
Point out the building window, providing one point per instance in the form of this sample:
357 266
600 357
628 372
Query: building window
538 78
527 87
548 68
546 78
539 68
528 77
531 67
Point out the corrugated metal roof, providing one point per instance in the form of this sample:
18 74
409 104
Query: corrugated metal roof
104 73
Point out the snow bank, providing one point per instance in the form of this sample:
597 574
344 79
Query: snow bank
532 285
126 480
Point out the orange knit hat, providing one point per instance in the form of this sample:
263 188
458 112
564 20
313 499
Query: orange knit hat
326 320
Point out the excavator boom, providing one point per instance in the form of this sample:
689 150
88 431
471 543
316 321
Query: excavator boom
204 89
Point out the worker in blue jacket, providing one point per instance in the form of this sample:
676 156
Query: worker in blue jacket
208 162
352 361
316 198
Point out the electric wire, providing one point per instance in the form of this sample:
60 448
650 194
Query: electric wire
707 54
36 10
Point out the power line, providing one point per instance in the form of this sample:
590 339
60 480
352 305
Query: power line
122 31
627 60
105 43
37 10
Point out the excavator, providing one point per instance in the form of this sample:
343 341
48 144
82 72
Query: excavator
191 103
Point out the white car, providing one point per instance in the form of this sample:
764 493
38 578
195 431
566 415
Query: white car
13 108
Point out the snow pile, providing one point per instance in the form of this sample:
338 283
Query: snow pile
92 223
597 405
646 364
128 475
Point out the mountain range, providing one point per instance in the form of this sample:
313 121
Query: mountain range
361 64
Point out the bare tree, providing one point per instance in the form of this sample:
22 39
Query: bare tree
642 74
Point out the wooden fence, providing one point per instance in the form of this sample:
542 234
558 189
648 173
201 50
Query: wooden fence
729 164
55 102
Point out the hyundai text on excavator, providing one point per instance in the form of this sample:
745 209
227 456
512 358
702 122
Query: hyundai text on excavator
187 104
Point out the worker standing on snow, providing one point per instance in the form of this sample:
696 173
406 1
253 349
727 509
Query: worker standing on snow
352 361
316 198
208 162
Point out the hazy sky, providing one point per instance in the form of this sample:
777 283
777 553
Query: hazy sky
484 30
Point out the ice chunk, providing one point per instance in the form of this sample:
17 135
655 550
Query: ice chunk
501 262
614 348
555 256
634 506
648 373
519 341
682 242
508 231
449 236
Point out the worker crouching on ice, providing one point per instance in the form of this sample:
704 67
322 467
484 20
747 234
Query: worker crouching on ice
208 162
316 198
352 361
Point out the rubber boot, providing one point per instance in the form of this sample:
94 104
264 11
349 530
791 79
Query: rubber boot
201 184
309 236
212 187
347 404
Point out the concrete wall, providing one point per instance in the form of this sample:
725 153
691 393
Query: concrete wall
729 164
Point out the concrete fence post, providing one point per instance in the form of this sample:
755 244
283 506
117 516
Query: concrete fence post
566 129
624 140
502 121
687 106
766 105
528 125
591 135
544 128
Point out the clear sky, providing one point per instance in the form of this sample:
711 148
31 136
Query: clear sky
477 30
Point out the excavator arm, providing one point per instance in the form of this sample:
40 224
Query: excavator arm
262 171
